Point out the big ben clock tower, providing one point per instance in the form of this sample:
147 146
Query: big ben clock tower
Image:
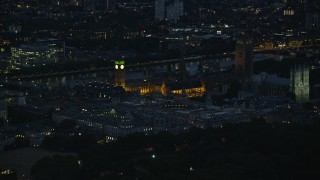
119 73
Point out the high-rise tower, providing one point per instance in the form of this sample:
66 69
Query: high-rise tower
119 73
244 57
160 9
299 83
170 10
174 11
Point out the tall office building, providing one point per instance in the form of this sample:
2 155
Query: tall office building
244 57
119 73
160 10
171 10
299 83
175 11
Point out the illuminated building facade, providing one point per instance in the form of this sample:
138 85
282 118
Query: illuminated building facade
177 84
244 57
288 12
119 73
38 54
299 83
143 87
185 88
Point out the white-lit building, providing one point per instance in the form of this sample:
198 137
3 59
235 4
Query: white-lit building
38 54
300 83
288 12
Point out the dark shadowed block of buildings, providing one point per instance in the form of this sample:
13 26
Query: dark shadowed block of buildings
244 56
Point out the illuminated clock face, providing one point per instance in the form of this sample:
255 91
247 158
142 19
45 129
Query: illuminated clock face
116 66
122 67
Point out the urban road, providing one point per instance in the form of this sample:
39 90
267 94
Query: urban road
147 64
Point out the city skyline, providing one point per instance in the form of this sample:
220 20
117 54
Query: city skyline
159 89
